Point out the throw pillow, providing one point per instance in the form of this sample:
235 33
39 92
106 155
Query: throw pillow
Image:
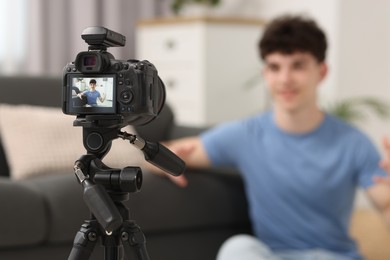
41 140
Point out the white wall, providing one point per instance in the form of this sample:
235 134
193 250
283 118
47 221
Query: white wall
364 58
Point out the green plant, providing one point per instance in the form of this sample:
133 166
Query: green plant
177 5
354 109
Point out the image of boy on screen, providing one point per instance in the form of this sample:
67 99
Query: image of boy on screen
92 94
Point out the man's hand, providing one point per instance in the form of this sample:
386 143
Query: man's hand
379 193
183 151
385 163
102 97
191 151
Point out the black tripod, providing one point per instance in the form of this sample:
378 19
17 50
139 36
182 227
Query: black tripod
106 188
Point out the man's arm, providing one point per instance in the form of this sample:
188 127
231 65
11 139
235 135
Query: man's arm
81 94
102 97
191 151
379 193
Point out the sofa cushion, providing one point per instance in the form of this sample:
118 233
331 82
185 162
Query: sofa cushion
42 141
42 91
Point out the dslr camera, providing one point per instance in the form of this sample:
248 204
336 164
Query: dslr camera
96 85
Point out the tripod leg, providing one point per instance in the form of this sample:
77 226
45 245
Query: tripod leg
112 248
134 241
85 241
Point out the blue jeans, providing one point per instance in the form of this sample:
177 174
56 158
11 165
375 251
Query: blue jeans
245 247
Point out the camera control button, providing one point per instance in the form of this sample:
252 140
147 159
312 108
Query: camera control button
127 82
94 141
74 69
120 82
68 69
120 75
117 66
126 96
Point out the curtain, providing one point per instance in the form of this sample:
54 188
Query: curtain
54 29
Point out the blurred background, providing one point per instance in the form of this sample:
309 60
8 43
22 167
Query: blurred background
206 53
38 37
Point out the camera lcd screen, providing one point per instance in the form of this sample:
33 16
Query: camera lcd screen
91 94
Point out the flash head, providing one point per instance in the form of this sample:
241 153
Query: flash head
100 38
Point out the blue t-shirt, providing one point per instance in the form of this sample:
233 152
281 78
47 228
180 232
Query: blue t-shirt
91 97
300 187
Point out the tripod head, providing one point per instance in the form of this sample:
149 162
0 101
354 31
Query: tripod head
100 130
99 180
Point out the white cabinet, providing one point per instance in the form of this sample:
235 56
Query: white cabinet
205 64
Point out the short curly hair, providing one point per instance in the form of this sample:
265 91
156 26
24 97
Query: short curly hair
289 34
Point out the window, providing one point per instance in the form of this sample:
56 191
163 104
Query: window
13 35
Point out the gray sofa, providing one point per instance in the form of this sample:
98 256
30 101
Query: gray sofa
39 217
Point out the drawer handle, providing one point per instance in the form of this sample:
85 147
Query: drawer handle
171 83
170 44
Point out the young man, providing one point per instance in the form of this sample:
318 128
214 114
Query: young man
92 94
300 166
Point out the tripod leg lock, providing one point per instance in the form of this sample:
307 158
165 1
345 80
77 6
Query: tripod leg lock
134 241
85 241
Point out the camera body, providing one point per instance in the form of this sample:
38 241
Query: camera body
98 84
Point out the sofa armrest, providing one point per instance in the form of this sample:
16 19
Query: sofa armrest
184 131
23 215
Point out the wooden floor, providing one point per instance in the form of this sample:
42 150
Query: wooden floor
372 234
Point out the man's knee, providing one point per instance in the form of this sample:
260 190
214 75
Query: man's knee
244 247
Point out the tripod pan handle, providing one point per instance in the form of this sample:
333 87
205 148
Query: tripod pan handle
101 206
